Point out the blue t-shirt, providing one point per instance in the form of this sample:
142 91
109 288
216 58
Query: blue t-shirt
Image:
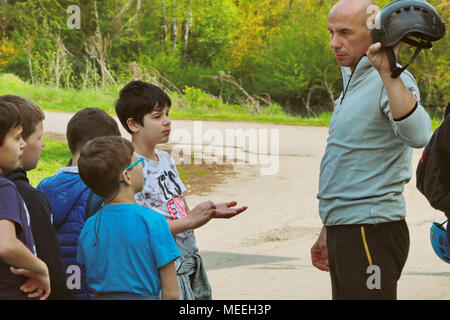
12 208
123 246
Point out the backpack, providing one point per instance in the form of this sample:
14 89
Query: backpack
429 173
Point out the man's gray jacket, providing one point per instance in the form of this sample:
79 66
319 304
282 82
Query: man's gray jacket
367 160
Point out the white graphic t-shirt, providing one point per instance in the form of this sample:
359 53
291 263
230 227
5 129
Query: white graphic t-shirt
163 192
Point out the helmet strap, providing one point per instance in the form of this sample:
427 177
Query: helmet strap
396 71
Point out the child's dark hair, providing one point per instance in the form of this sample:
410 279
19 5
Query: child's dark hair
139 98
102 162
9 117
88 124
30 113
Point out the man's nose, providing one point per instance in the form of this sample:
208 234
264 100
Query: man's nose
335 43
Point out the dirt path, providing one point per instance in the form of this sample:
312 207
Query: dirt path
264 253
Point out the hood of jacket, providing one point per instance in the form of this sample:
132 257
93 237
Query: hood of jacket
63 190
18 174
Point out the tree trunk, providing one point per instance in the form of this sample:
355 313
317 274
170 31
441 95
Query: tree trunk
95 75
187 27
28 50
30 66
134 17
57 75
174 30
86 74
163 26
329 89
98 48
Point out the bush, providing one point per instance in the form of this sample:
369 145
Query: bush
8 52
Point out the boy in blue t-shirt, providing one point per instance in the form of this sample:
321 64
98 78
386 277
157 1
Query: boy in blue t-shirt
128 250
22 274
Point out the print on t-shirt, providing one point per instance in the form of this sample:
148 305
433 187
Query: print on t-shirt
163 192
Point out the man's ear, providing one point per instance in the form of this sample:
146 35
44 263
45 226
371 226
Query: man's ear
133 125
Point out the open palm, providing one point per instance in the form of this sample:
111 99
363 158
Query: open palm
226 210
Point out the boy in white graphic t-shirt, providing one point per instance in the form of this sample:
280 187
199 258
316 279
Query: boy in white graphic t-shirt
143 110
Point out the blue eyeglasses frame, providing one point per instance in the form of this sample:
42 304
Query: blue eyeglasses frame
141 160
137 162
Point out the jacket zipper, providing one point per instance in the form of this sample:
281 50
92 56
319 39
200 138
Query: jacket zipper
349 80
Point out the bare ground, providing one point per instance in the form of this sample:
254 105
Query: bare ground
264 253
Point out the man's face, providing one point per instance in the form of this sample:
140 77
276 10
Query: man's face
32 152
350 38
11 152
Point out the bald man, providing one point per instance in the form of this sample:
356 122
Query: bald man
377 120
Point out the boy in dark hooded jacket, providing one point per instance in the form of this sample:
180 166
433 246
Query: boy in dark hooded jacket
46 242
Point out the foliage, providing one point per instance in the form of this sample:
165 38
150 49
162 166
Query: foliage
7 53
432 67
274 49
193 104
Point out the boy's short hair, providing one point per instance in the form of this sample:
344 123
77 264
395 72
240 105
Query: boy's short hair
139 98
102 162
88 124
9 117
30 113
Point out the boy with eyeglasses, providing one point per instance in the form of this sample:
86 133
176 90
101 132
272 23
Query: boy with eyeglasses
127 249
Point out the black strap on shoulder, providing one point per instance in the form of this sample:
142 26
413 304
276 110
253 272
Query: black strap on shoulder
94 203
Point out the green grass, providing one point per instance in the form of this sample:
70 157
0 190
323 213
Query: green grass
69 100
55 155
194 104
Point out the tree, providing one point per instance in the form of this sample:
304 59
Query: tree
98 47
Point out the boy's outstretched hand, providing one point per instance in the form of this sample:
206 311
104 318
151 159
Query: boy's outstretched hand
206 211
226 210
